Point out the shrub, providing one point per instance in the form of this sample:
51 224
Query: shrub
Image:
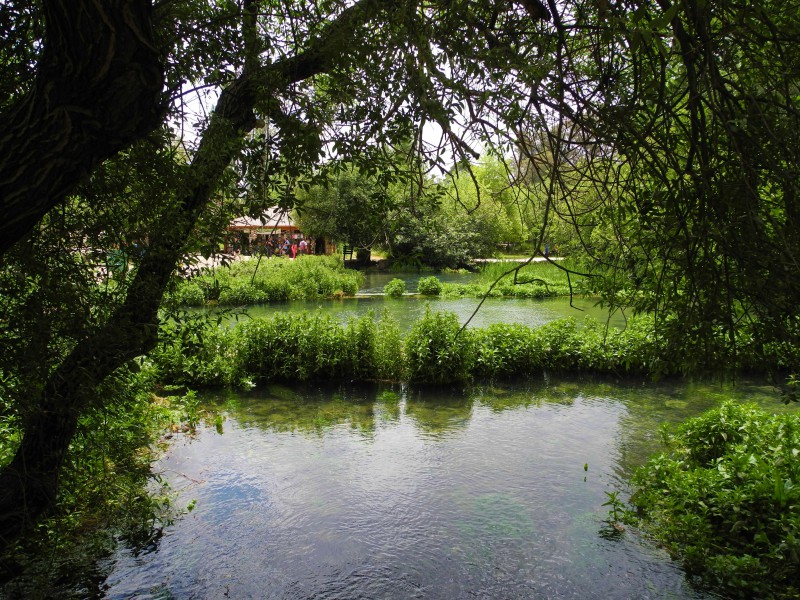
507 350
107 489
290 347
194 350
430 286
270 280
389 360
726 500
395 288
436 352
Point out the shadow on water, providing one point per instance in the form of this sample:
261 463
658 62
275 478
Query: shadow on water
493 491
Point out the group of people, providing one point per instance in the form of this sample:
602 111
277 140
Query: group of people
274 245
288 247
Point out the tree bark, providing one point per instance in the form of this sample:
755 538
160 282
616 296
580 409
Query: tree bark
98 88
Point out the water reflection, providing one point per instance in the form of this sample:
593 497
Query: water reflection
395 492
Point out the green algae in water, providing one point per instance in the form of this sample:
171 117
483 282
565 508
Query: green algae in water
497 517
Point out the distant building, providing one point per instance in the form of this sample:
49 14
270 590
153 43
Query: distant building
254 235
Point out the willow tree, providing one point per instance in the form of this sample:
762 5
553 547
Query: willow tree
294 81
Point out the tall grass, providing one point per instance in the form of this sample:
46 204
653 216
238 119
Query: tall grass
274 279
310 346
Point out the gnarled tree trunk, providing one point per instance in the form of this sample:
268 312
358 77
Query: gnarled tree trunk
28 485
98 88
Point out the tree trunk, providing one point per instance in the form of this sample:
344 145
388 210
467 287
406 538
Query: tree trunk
363 256
98 88
28 485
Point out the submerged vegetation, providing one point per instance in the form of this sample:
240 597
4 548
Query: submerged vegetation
725 500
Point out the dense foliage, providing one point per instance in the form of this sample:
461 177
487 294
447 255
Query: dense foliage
287 348
431 223
395 288
436 350
521 280
108 489
254 282
309 346
429 286
725 499
658 138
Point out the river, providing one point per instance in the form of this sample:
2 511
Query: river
396 492
409 309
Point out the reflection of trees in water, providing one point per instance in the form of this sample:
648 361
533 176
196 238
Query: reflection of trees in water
501 396
436 411
310 409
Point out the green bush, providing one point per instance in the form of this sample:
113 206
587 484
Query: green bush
429 286
395 288
507 350
436 352
195 351
390 360
270 280
311 346
291 347
108 490
726 500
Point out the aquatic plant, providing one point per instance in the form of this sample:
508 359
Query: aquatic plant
429 286
252 281
436 352
518 280
310 346
725 499
395 288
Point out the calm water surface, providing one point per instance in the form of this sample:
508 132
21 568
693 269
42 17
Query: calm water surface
407 310
494 492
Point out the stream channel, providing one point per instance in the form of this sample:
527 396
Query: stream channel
410 308
394 492
389 491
